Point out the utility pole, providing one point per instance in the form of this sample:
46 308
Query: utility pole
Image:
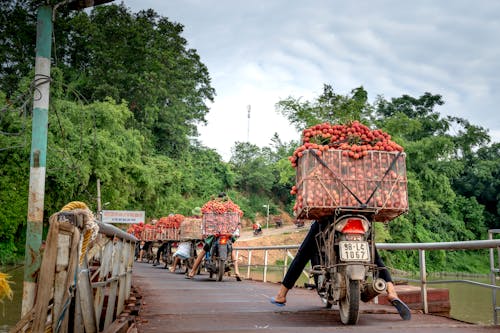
38 156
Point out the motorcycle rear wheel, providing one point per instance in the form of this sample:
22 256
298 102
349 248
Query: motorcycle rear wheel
221 269
349 305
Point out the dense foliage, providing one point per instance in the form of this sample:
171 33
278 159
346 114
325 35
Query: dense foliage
127 95
438 163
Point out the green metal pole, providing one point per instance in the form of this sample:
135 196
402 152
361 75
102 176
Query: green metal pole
38 156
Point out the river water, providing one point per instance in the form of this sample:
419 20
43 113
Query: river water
469 303
10 311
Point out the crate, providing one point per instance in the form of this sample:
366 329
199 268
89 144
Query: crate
163 233
334 181
225 223
191 228
148 235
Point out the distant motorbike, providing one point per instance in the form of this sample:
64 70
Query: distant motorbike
257 232
167 254
218 259
189 262
345 272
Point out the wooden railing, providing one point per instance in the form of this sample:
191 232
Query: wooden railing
85 276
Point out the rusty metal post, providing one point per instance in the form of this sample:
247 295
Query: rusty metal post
37 156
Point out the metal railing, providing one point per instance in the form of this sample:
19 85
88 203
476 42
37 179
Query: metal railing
421 247
494 271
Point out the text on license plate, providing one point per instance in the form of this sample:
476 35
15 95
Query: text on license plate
354 251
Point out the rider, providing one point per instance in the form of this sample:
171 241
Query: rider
163 247
206 248
183 252
257 228
308 251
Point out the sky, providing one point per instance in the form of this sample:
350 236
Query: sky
263 51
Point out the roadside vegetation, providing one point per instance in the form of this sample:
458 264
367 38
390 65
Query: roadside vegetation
127 95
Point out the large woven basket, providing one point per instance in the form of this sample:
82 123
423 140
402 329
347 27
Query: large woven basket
191 228
225 223
376 182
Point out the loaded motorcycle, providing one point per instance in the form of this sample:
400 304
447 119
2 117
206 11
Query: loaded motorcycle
347 196
218 260
345 272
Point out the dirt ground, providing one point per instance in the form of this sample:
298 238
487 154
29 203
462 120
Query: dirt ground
288 234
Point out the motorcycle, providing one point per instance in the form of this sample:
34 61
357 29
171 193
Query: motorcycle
168 253
345 272
257 232
218 259
189 262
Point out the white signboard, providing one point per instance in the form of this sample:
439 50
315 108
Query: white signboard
123 216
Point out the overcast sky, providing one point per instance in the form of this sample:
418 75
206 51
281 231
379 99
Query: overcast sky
259 52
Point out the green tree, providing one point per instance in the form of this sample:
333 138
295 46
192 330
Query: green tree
253 172
437 160
144 59
480 180
328 107
112 52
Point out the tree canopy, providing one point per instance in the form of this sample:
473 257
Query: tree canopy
127 95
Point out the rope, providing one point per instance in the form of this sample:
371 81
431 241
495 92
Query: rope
74 205
91 229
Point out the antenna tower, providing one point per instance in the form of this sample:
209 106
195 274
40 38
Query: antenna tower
248 128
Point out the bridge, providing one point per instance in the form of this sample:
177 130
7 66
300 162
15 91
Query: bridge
90 282
171 303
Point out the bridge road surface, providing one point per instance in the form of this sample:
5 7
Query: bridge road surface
172 303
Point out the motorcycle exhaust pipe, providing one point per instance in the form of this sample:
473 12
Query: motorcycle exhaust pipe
372 290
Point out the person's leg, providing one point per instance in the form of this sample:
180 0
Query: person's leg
197 263
392 295
146 253
206 248
235 263
385 275
141 250
306 252
158 254
176 262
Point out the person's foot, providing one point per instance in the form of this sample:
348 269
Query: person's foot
237 277
278 301
403 309
172 269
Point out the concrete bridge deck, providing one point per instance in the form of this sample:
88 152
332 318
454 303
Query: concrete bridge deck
171 303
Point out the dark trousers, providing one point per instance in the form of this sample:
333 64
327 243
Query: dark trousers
161 249
308 251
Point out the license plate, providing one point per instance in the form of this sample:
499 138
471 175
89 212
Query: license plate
354 251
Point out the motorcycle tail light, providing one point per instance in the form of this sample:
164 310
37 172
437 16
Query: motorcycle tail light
199 245
223 240
352 226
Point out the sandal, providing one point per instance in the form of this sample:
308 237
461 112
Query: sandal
238 278
275 302
403 309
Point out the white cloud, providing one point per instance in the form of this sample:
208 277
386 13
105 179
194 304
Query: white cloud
258 53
